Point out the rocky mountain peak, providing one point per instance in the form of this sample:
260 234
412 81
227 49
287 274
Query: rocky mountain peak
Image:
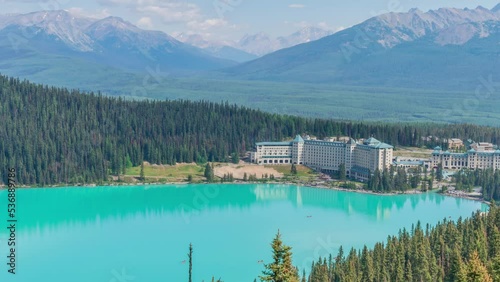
395 28
115 23
59 23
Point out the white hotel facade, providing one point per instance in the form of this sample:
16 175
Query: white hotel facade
360 159
472 159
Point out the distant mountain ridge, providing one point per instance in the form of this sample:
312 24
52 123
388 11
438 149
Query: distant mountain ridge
262 44
448 48
396 28
258 44
223 50
110 41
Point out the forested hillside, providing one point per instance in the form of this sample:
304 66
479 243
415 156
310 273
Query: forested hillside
54 135
465 251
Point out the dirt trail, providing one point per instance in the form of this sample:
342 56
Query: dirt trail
238 170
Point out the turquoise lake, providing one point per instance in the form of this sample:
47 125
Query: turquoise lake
142 233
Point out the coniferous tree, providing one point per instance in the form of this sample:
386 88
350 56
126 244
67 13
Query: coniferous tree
281 269
342 172
142 174
209 173
456 267
439 172
293 170
235 158
367 268
494 269
425 181
190 257
476 271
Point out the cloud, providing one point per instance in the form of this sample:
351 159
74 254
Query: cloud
42 4
322 25
114 3
296 6
207 24
98 14
301 24
170 12
145 22
178 14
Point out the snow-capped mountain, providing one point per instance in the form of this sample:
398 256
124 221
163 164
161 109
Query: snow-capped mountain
261 44
60 24
125 32
393 29
304 35
110 41
447 48
219 49
256 45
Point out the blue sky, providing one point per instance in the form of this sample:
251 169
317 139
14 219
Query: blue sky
231 19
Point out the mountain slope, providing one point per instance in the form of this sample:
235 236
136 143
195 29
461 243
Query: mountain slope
446 48
85 43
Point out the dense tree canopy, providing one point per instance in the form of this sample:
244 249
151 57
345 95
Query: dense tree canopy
464 251
54 135
487 179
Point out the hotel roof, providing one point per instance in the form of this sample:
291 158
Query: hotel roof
298 138
372 142
274 144
408 162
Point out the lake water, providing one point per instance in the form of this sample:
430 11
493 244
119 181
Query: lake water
122 234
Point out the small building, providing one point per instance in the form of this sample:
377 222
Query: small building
455 144
409 163
482 146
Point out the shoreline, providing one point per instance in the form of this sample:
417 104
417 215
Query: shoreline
306 185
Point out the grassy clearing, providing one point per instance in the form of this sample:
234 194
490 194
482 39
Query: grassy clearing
168 173
180 172
303 173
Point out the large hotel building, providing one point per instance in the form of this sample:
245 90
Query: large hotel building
361 159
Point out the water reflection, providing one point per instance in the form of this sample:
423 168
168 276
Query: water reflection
51 207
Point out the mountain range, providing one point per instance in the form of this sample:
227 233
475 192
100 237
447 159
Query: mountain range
449 49
444 48
108 43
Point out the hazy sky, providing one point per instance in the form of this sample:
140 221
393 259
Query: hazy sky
231 19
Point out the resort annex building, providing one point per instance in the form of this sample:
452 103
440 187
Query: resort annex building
480 156
361 159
